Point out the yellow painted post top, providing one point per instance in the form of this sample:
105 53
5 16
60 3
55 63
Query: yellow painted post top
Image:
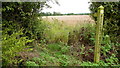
101 7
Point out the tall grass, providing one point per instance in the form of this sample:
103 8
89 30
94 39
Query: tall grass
62 41
54 32
57 31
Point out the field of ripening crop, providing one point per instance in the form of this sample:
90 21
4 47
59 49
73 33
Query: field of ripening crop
71 19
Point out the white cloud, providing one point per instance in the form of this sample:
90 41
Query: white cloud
70 6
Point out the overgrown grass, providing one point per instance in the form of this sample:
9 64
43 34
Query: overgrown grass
63 45
57 44
53 32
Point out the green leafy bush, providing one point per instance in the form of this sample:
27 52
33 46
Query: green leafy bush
110 51
16 16
11 46
83 40
82 34
40 27
111 18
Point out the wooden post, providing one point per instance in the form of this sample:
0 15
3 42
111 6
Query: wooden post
99 33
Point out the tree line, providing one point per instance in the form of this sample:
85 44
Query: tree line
60 14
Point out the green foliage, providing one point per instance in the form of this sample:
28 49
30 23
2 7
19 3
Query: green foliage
112 60
56 32
110 50
11 46
82 49
31 63
107 44
57 53
49 56
65 49
54 47
15 15
59 14
61 48
50 14
88 64
63 61
77 14
101 63
37 60
53 32
111 18
39 28
82 34
83 37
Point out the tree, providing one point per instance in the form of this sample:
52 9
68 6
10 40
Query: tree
111 18
17 15
19 20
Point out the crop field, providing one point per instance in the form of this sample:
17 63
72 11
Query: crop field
71 19
32 37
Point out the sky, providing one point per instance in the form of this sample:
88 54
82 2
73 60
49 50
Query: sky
69 6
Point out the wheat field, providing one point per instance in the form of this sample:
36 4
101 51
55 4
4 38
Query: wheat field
71 19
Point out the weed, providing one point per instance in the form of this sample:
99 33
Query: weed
31 63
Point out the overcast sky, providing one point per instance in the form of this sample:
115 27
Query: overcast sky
69 6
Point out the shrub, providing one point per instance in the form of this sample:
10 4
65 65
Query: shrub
110 51
40 27
111 18
85 35
11 46
16 15
82 35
